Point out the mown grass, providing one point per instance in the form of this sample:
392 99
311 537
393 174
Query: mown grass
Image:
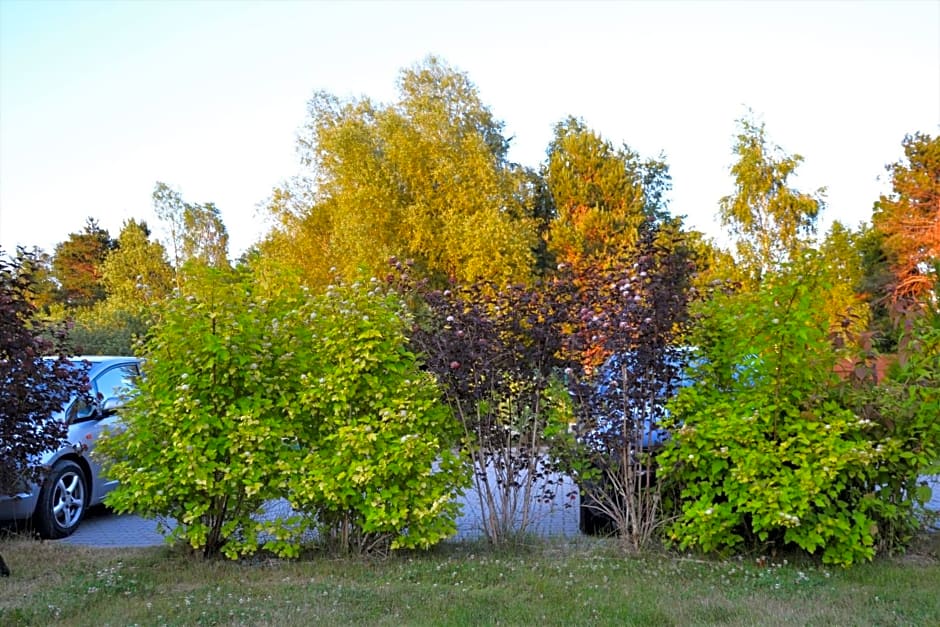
577 582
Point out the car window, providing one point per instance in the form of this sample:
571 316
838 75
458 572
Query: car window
115 382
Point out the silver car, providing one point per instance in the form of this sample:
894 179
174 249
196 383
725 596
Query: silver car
72 479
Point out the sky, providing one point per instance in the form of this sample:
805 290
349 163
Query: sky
100 100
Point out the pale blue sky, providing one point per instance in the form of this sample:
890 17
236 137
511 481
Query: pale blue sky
99 100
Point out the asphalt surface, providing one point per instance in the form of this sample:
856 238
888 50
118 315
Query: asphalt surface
103 528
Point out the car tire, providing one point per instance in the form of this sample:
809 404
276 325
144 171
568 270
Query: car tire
63 500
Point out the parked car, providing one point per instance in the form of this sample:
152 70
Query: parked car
72 481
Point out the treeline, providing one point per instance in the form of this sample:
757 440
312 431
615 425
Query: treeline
412 246
427 178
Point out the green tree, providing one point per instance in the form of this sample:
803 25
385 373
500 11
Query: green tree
909 218
205 238
771 221
76 265
196 232
842 261
876 286
425 178
137 273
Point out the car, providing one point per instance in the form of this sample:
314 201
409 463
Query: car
72 480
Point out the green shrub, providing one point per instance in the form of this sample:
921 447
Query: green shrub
376 462
313 399
905 408
763 451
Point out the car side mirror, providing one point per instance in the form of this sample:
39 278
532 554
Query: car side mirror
84 409
109 406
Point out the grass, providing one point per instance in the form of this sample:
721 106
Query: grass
582 581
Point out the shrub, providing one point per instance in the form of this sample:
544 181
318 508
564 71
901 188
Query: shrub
905 407
376 461
764 450
105 329
630 318
32 389
310 398
494 351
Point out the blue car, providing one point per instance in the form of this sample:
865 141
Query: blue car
72 480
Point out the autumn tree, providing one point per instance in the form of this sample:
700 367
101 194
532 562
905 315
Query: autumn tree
76 265
771 221
602 195
37 263
425 178
136 276
909 218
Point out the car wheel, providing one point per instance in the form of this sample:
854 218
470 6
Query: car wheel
62 501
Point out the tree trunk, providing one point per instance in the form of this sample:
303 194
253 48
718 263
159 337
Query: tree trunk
4 571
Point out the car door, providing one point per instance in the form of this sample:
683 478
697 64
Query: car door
109 390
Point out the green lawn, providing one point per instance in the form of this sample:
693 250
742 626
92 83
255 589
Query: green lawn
584 581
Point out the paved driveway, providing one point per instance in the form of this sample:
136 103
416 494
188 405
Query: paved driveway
101 527
556 518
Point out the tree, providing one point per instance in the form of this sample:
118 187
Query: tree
169 206
38 264
32 388
771 221
909 218
602 196
137 273
425 178
136 276
76 265
876 287
196 232
841 259
205 238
